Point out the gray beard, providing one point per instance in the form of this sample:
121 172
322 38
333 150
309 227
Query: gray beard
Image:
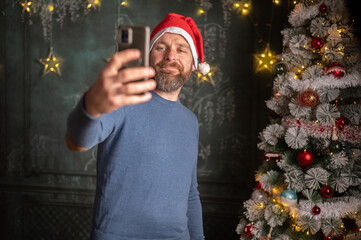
165 83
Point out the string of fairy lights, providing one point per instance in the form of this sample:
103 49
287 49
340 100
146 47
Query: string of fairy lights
264 60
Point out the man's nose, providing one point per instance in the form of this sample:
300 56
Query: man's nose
170 55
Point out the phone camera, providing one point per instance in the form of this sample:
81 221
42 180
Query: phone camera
125 36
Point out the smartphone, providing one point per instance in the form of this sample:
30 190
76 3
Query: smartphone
134 36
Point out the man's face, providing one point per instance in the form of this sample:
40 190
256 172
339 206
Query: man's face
172 60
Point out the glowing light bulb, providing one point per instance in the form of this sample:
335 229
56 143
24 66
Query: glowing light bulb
277 2
51 7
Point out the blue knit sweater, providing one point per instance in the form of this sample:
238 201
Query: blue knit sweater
146 170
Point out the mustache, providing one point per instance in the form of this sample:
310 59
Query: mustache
169 64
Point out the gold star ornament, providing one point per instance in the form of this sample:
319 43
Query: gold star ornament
26 5
93 4
265 59
207 77
242 6
51 63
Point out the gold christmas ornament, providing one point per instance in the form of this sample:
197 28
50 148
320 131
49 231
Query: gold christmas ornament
309 98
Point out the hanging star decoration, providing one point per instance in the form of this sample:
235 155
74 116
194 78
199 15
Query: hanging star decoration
243 6
93 4
26 5
51 63
207 77
265 59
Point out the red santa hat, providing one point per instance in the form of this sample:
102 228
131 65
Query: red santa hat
186 27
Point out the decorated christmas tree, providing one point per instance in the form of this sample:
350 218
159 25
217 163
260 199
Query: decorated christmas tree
309 185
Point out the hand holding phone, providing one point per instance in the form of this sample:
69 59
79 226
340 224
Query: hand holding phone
126 78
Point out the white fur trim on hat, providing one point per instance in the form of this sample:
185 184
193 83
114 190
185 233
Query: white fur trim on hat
204 68
181 32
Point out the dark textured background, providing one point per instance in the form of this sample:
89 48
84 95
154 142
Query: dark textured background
46 191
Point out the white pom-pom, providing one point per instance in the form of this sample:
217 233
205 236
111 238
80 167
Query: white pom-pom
204 68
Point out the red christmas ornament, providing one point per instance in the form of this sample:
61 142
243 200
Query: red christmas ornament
309 98
326 191
335 69
341 122
259 185
316 210
322 8
305 158
277 94
248 230
272 156
317 43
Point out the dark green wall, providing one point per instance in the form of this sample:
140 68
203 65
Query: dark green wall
46 191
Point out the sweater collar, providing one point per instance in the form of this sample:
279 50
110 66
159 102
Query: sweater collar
162 100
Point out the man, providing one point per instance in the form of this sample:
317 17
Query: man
147 141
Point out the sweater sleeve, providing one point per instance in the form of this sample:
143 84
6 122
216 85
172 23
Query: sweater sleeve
85 130
194 213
